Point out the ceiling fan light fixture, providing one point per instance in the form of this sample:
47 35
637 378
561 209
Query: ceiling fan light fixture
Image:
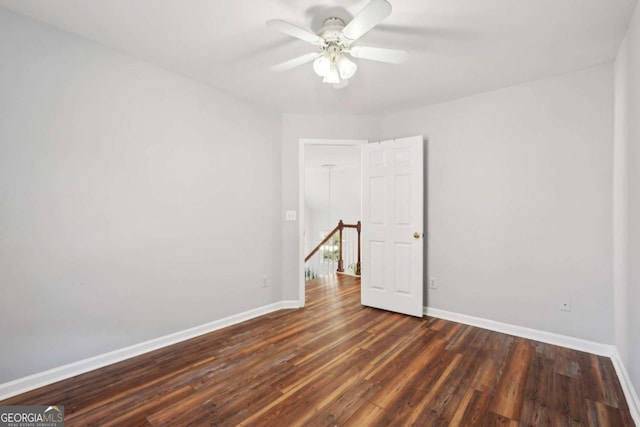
335 47
333 77
322 65
346 67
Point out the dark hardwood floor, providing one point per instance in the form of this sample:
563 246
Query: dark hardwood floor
337 363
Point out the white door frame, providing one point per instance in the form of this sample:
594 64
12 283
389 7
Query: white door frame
301 254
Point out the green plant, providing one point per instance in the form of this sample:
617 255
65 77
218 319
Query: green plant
331 251
309 274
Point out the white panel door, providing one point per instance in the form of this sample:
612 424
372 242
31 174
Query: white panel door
392 225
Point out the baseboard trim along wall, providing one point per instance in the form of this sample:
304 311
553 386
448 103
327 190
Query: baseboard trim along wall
627 387
556 339
519 331
22 385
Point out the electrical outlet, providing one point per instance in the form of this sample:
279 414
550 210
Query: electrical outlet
565 304
265 281
432 283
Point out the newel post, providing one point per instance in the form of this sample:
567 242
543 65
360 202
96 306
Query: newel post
340 261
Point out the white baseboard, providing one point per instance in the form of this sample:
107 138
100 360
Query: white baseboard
556 339
22 385
289 304
519 331
627 386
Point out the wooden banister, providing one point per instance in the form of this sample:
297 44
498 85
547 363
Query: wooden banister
325 240
341 226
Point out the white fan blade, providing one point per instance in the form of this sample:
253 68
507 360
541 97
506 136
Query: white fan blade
368 18
391 56
295 62
297 32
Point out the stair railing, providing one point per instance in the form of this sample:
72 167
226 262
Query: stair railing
340 229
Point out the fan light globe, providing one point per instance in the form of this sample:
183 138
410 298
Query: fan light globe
332 77
322 65
346 67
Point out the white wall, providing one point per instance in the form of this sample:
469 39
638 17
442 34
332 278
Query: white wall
294 127
519 202
627 203
345 196
341 202
126 197
621 206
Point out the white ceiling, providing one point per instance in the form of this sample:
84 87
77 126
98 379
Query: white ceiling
457 47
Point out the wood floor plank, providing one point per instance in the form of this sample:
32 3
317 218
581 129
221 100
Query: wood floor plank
455 389
460 410
532 413
601 414
477 410
398 375
510 392
568 399
337 363
368 415
540 380
487 375
422 406
343 407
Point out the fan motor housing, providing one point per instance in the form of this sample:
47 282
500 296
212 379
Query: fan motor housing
332 30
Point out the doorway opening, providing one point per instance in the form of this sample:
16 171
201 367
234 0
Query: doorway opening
330 186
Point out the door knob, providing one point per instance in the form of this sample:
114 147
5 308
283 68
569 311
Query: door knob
416 235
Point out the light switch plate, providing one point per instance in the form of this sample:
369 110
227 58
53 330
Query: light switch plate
290 215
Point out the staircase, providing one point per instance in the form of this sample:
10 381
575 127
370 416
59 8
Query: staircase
339 248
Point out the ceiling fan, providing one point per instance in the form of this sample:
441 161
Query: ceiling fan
335 43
